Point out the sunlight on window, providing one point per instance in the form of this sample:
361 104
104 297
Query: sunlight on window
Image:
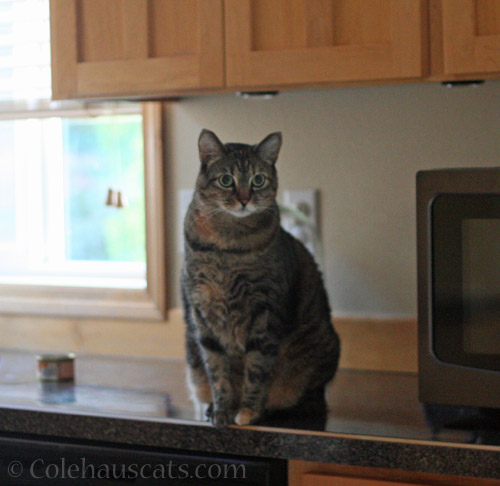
56 167
24 50
102 154
56 226
7 189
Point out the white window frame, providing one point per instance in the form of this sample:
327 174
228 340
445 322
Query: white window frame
149 303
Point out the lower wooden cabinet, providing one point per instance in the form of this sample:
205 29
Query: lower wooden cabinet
329 480
302 473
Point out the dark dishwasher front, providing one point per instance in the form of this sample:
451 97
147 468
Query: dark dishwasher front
36 461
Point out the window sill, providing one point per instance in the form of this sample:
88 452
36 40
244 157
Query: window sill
79 302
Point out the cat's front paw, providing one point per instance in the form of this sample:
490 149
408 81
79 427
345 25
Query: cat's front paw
221 418
246 416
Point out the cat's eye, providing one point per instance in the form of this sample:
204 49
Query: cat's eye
258 180
226 181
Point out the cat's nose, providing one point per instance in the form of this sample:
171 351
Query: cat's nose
244 202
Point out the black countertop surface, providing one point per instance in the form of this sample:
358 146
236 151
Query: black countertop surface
374 418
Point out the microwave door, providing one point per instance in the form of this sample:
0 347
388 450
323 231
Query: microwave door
466 279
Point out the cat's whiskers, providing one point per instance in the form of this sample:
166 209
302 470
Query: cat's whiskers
212 211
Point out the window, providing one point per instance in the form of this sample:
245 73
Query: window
81 191
59 228
24 50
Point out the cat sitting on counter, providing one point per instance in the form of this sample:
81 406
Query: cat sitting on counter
259 336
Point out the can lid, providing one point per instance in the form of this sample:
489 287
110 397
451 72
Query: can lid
56 357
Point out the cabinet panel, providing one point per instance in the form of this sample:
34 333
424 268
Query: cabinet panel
470 36
310 479
181 36
135 47
287 42
100 30
303 473
277 25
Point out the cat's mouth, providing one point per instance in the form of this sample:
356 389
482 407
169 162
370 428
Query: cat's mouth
242 211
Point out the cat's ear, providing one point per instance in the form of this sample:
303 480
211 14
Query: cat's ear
210 147
269 148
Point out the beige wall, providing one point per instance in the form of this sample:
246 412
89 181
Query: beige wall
361 147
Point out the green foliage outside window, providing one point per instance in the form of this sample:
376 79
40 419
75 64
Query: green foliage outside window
101 153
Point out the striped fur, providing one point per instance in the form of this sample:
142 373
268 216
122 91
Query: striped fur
258 330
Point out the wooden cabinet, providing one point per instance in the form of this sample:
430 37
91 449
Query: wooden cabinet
328 480
155 48
298 42
302 473
137 48
148 48
465 38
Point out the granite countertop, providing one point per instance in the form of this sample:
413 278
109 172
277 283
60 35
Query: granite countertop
374 418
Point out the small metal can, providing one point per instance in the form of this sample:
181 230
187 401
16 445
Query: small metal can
56 367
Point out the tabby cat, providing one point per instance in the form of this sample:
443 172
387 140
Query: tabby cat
258 332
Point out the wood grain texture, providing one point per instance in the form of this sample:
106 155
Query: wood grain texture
360 22
95 336
211 43
378 344
174 27
77 301
279 25
135 76
470 36
154 184
487 17
64 49
100 29
286 43
269 44
436 38
372 344
275 24
320 28
123 48
311 479
135 29
302 473
409 39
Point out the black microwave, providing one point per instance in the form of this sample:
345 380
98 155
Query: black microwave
458 257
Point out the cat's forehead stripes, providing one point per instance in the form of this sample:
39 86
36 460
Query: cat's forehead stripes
240 155
242 163
241 175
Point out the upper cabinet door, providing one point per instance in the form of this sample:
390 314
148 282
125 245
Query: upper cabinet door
470 36
294 42
126 48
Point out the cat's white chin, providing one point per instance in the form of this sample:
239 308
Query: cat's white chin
241 213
